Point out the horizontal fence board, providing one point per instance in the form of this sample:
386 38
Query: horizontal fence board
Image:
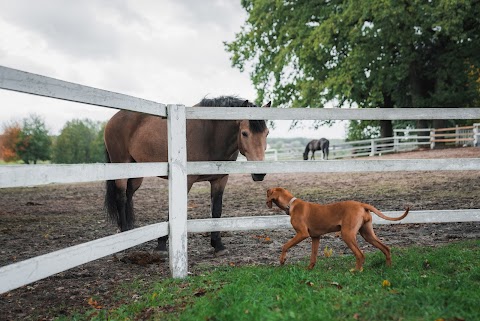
21 81
332 113
34 175
16 275
28 271
283 221
452 140
334 166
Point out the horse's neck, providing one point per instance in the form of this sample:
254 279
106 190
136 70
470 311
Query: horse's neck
225 138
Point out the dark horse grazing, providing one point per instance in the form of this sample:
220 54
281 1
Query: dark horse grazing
135 137
320 144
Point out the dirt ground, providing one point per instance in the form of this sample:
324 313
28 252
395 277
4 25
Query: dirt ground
39 220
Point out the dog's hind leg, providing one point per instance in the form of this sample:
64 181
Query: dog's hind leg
350 239
366 231
313 257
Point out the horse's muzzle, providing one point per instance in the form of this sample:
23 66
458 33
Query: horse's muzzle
258 177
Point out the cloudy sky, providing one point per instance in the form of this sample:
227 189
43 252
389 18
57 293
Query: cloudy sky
169 51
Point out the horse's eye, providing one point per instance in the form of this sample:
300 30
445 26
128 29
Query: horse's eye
244 134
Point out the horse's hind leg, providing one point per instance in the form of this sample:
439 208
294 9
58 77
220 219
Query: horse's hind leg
132 185
121 201
216 193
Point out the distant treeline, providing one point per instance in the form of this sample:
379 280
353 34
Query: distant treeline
29 141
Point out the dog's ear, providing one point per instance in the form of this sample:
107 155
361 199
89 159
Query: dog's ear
269 197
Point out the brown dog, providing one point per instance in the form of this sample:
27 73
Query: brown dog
314 220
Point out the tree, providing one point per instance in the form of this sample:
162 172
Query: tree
8 142
34 142
366 53
98 146
78 142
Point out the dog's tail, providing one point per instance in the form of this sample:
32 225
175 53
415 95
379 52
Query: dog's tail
380 214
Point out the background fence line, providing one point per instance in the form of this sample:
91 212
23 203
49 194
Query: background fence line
403 140
18 274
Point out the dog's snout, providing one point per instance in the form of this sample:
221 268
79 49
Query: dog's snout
258 177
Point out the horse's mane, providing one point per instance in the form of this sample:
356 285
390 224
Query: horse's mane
256 126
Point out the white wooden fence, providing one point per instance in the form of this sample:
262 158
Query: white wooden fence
22 273
402 140
408 139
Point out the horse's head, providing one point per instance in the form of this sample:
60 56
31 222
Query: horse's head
252 140
305 156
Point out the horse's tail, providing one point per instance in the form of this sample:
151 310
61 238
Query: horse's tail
327 145
388 218
119 208
305 153
110 203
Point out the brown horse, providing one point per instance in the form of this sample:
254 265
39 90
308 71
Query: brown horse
314 145
135 137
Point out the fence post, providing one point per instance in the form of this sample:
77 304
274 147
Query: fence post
372 147
432 138
476 134
457 136
177 190
396 140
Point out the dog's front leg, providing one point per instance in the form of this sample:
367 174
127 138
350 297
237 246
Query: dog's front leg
294 241
313 257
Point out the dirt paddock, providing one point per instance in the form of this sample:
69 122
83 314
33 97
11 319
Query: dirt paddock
39 220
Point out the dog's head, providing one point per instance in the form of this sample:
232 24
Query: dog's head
270 197
274 193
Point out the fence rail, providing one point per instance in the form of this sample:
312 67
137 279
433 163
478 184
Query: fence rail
18 274
21 81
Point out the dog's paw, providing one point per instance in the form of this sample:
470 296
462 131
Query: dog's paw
354 270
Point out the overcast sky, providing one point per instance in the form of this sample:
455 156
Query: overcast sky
169 51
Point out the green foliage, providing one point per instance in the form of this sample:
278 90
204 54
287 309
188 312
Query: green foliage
360 130
34 143
80 141
368 53
423 284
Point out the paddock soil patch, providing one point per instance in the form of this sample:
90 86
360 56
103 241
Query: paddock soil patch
39 220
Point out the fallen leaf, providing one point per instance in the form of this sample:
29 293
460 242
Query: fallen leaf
386 283
337 285
327 252
94 304
309 283
426 264
200 292
356 316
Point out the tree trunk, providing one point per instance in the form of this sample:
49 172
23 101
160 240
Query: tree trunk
386 127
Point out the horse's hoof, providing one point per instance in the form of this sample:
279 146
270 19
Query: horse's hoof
162 254
221 253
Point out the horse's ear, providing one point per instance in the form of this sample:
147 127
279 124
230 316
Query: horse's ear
269 104
245 103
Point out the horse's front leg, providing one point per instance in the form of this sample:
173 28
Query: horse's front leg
216 193
162 241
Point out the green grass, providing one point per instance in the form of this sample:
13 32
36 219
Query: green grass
425 284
